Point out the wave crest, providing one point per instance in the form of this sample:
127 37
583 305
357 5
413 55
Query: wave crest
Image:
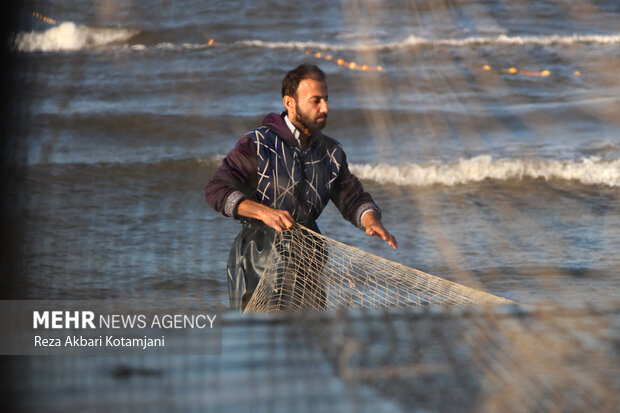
70 37
415 41
589 171
514 40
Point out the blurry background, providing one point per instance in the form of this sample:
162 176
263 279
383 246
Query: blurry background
487 131
490 137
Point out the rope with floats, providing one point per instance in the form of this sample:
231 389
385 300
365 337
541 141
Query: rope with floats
44 18
515 71
361 67
344 63
330 58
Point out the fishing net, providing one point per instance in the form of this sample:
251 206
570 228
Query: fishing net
309 271
423 343
397 340
419 359
476 359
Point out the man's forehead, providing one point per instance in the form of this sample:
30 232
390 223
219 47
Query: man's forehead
312 87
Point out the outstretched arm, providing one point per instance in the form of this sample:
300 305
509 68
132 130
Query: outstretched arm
374 227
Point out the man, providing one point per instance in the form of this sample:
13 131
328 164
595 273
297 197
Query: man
284 173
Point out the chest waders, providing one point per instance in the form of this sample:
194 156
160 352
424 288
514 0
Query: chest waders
285 177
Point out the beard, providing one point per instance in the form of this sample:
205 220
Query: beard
310 123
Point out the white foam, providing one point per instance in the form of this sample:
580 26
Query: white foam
413 41
70 37
589 171
183 46
292 45
515 40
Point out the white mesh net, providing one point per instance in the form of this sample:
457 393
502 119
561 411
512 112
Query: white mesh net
310 271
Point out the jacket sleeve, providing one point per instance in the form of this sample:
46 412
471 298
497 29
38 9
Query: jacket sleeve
235 179
350 197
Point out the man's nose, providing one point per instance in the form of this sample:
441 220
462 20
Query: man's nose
324 106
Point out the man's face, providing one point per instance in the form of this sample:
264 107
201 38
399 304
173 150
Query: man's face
311 104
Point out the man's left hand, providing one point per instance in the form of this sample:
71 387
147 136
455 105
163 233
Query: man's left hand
375 228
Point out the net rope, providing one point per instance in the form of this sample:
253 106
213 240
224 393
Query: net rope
308 271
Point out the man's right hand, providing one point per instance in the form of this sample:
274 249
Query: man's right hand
277 219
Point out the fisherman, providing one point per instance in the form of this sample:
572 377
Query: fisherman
282 174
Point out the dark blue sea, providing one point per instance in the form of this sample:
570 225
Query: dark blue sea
487 131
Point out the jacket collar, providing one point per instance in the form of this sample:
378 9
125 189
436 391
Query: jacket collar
278 125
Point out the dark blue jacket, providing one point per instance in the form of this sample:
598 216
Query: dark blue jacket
268 166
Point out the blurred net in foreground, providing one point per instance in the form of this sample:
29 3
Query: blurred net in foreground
310 271
419 359
482 359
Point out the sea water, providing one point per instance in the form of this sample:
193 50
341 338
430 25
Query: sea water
488 133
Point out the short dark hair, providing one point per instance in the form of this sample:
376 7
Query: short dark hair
291 81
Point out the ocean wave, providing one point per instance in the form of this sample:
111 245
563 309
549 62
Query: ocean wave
589 171
293 45
68 36
415 41
513 40
181 46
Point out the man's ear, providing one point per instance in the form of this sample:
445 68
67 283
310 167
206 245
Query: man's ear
288 102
